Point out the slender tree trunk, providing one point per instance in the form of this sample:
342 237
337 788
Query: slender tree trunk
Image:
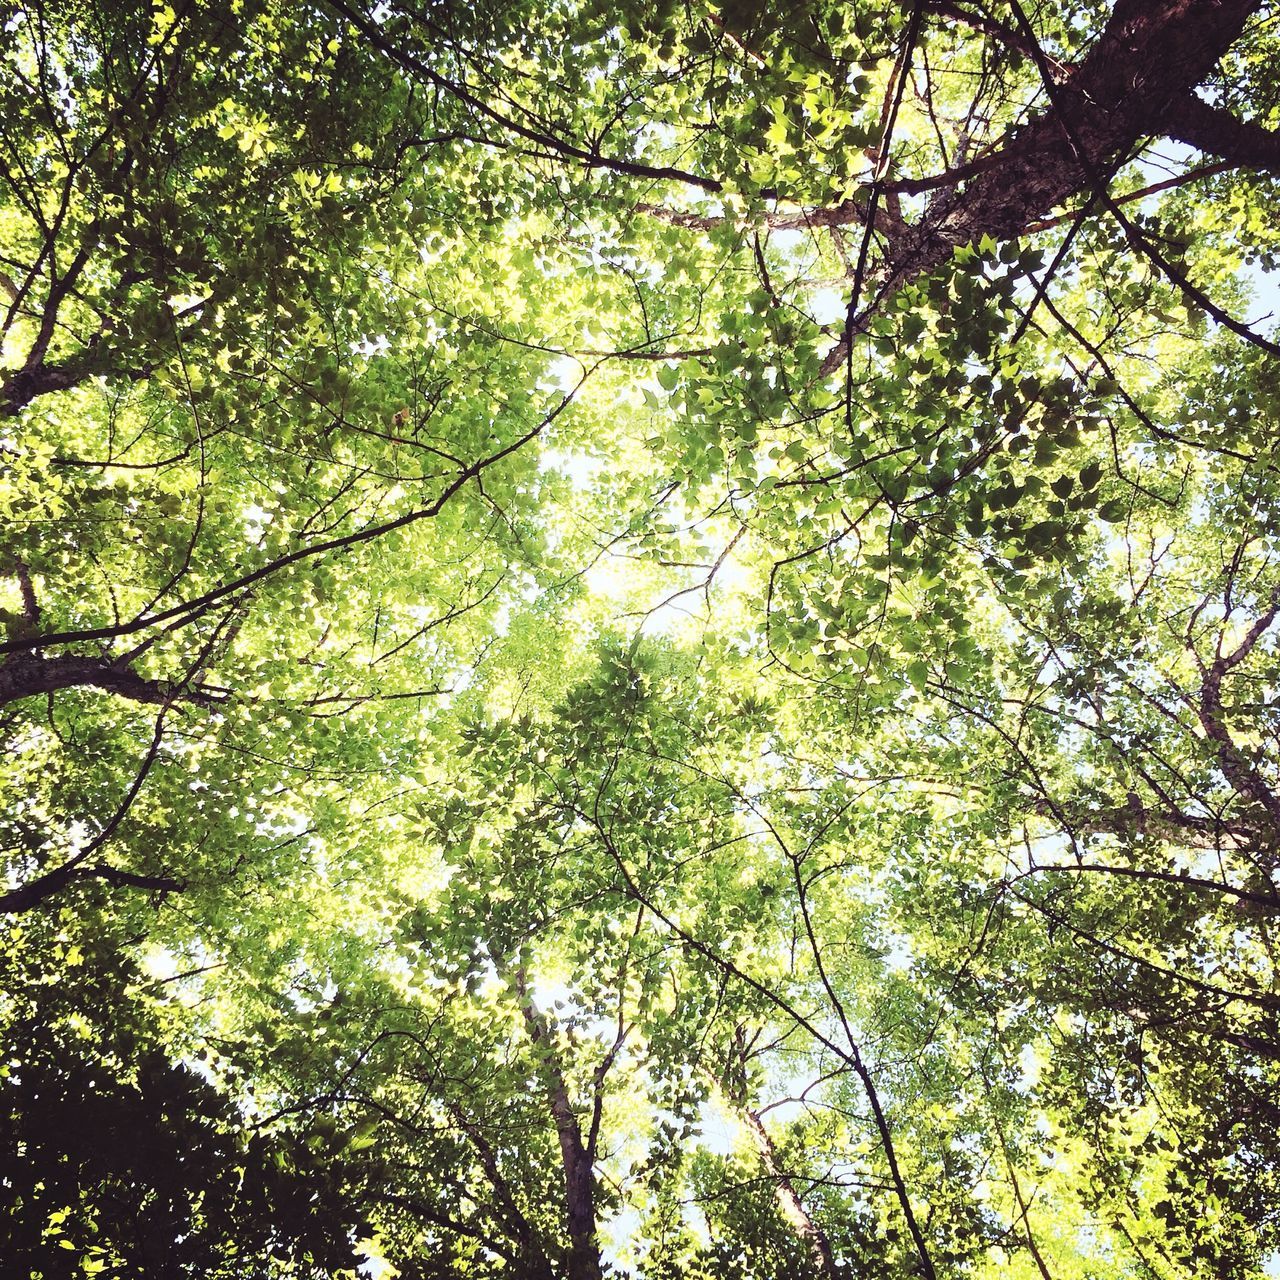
788 1198
575 1159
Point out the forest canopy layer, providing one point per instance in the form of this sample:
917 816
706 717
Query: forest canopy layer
639 640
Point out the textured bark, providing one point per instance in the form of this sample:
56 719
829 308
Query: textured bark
42 379
1264 902
1255 1045
1133 821
1235 765
846 213
25 385
26 675
1008 36
1149 57
1216 132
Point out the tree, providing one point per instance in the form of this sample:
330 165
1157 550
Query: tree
126 1162
640 640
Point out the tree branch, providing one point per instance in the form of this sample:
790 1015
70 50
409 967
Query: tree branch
1218 132
1149 57
25 675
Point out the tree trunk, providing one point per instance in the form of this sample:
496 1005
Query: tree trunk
788 1198
1150 57
575 1159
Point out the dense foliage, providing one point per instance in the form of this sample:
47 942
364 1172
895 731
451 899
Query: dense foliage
639 640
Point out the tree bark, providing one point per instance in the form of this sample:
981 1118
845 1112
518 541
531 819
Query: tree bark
26 384
576 1160
25 675
1185 830
1216 132
43 887
1149 58
1151 53
788 1198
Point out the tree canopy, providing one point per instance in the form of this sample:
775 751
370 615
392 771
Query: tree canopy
640 640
